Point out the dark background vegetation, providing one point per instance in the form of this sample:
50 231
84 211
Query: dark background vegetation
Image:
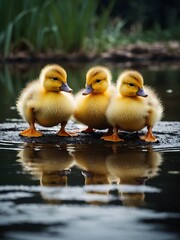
84 26
164 13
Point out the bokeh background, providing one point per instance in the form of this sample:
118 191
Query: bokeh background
84 26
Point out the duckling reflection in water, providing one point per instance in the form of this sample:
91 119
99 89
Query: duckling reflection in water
50 164
92 161
133 167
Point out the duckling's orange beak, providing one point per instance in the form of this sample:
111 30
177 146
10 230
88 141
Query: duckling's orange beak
141 93
65 88
88 90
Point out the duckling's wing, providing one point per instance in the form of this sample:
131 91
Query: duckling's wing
152 98
29 93
154 103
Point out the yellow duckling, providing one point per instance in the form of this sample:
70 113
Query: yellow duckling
133 107
46 101
91 104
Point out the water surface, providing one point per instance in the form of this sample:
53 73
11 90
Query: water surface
103 191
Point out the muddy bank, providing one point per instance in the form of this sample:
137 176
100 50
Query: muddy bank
168 134
137 52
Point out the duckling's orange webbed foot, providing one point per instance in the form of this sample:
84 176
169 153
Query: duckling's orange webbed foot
112 138
31 132
63 133
149 137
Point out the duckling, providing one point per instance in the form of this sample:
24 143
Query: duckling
133 107
92 103
46 101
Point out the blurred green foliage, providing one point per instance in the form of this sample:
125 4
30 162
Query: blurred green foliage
148 14
84 25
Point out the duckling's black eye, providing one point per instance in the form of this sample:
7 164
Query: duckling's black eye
131 84
98 80
55 78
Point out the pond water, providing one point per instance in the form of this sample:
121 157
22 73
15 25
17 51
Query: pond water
88 191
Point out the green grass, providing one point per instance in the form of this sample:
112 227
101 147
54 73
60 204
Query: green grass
66 26
49 25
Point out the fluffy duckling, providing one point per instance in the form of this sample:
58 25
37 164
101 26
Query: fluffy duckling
133 107
46 101
91 104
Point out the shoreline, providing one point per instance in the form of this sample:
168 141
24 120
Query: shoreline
138 52
167 133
